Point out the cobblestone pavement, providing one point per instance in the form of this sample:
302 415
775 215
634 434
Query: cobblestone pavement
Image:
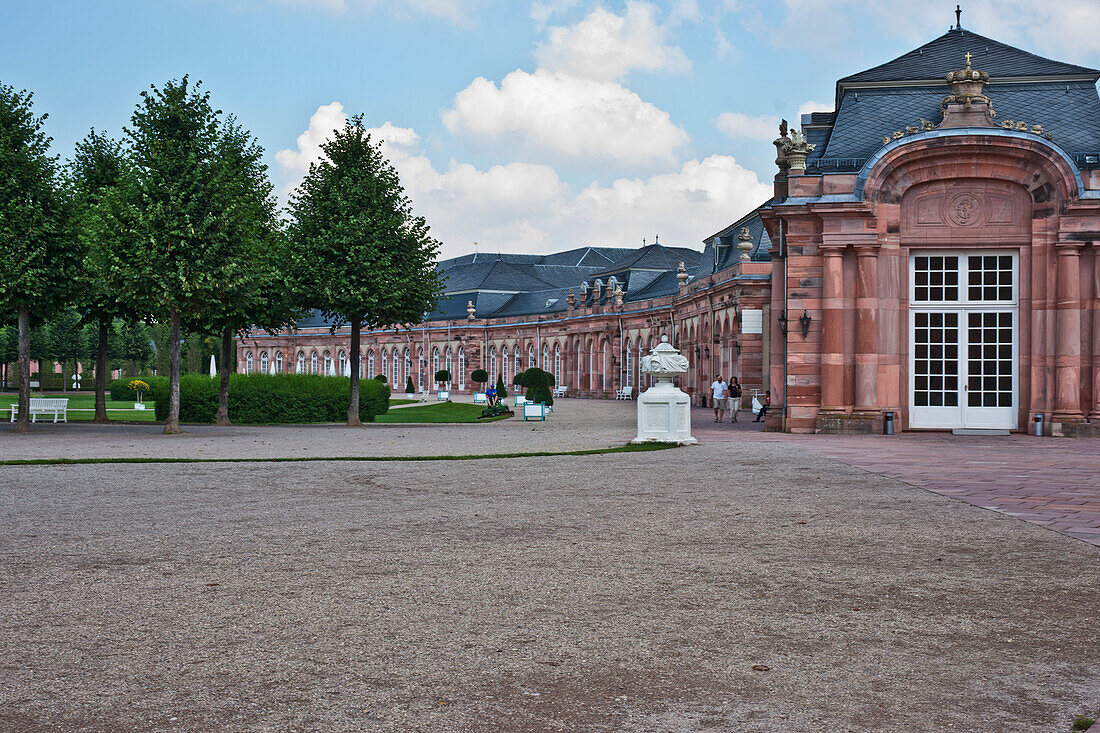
1051 482
735 587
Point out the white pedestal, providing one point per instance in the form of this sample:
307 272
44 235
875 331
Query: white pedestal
664 416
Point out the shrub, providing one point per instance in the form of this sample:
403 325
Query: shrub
381 378
409 388
517 381
501 391
121 391
272 399
443 376
538 383
479 376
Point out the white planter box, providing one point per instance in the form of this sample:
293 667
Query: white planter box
139 405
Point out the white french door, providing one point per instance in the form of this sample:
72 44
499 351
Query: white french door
963 313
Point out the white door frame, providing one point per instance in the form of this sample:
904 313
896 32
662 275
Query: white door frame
959 309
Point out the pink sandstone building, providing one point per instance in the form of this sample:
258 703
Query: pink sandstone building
930 252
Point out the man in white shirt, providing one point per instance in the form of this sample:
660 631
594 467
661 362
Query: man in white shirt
719 390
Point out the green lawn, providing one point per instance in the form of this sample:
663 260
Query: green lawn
400 402
82 407
439 412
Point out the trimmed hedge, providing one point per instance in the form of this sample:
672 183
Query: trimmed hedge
267 399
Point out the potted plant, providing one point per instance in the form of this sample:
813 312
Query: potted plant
138 387
443 377
479 377
409 388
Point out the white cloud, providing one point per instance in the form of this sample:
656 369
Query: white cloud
748 127
811 106
541 12
566 117
605 46
327 118
525 207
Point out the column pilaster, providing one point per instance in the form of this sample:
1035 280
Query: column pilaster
1067 359
832 328
867 342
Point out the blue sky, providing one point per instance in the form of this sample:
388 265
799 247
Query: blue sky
524 126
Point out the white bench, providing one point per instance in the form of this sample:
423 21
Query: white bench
480 398
534 411
44 406
626 393
443 395
560 391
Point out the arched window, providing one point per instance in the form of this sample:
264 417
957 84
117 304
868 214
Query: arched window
435 365
461 368
313 363
278 362
370 363
629 365
546 357
420 369
264 362
248 363
606 365
449 359
328 363
396 382
557 364
407 366
518 361
300 367
344 363
591 365
530 356
492 365
504 365
385 364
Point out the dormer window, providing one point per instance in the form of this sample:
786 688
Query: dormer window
550 302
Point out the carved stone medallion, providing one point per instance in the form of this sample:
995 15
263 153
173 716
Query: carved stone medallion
964 209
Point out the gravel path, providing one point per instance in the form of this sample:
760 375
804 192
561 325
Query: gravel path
542 594
575 425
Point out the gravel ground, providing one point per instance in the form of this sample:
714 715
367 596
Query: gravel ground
540 594
575 425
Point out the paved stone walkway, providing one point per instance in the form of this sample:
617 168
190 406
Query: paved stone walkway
1052 482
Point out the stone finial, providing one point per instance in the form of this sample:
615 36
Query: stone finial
618 294
744 243
966 105
780 156
571 300
470 310
682 274
796 150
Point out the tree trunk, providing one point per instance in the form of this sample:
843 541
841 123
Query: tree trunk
353 405
23 422
172 422
64 375
101 373
223 387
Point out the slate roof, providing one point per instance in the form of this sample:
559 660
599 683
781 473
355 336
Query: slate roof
934 59
717 257
874 103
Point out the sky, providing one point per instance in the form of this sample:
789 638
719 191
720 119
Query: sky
521 126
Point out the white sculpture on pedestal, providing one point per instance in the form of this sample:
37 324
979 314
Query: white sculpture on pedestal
664 412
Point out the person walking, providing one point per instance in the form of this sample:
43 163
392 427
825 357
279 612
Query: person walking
734 399
764 407
719 389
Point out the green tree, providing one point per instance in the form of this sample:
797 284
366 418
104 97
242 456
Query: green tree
9 352
66 343
538 383
134 345
479 376
97 168
409 388
357 252
169 225
502 392
252 294
38 257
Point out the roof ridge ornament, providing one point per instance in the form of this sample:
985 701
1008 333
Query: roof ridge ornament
967 106
796 150
744 243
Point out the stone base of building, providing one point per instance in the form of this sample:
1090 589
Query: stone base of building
855 423
1075 428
